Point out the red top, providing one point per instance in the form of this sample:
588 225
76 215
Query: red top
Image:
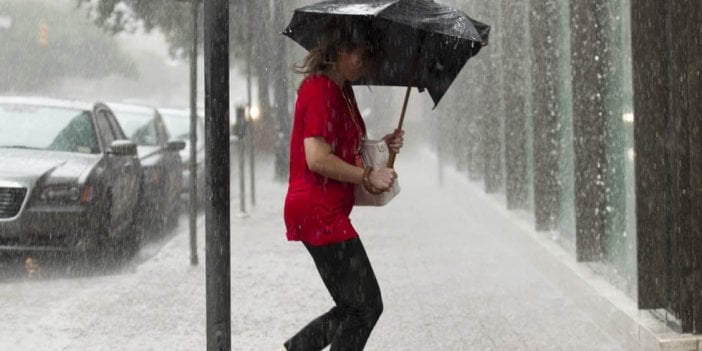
317 208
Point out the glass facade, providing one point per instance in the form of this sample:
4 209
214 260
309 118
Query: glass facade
620 229
566 177
602 99
617 239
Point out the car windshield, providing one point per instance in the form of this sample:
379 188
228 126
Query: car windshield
179 126
47 128
139 127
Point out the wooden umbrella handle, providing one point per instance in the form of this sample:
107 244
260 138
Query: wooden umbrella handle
413 73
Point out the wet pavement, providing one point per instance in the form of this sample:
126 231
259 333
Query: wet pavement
457 272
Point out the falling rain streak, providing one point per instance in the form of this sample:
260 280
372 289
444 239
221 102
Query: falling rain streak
576 127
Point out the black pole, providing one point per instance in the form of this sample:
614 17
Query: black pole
193 137
241 143
252 160
252 141
281 100
249 101
217 216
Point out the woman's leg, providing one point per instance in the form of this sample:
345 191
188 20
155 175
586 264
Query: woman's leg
348 275
358 298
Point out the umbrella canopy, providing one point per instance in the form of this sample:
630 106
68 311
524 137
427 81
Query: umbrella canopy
418 43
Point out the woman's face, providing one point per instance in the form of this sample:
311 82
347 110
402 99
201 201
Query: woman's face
350 63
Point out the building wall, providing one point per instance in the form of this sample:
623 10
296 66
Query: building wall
596 106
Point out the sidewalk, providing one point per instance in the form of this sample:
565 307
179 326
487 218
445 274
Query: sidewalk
456 271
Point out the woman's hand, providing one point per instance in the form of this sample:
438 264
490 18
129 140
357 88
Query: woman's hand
383 178
395 140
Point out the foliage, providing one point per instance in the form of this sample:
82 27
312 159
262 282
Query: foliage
173 18
73 47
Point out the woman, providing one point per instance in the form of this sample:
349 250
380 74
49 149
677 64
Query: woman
324 168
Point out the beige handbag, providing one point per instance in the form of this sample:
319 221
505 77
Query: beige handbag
375 153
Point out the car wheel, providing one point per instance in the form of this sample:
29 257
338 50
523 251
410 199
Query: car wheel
134 233
93 242
91 247
130 242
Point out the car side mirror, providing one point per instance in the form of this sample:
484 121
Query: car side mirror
123 148
175 145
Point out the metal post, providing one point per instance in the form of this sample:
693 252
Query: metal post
252 161
193 138
281 100
250 117
217 215
241 143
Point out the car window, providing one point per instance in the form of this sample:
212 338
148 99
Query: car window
179 126
48 128
139 127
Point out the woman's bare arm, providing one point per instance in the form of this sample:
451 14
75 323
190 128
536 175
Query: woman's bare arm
321 160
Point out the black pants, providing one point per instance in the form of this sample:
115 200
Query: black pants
349 277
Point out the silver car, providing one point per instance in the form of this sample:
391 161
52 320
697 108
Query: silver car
160 161
70 179
178 123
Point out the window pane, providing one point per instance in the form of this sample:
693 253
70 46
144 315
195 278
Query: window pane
140 128
50 128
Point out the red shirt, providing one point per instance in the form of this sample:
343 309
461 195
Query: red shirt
317 208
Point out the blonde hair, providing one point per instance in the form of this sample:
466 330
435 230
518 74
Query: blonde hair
323 57
312 63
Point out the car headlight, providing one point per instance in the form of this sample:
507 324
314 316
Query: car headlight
66 193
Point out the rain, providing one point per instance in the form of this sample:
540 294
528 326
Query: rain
546 196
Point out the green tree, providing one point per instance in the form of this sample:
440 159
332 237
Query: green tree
172 17
46 42
253 38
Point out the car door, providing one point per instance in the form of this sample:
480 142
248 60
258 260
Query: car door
131 169
118 172
171 161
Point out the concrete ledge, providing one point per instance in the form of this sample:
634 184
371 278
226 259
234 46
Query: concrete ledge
615 312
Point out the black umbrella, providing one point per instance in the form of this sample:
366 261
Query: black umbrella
416 43
444 38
